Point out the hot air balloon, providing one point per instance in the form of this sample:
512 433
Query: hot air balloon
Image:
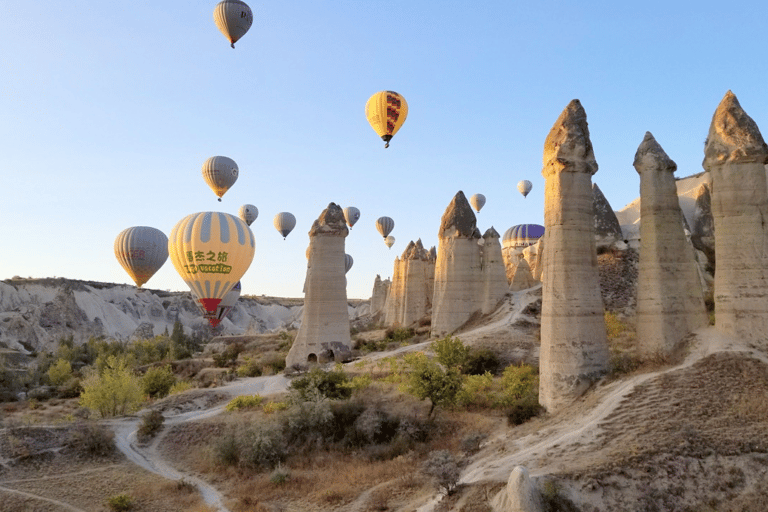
225 306
233 18
211 251
348 261
385 225
248 213
141 250
389 241
522 235
386 112
351 215
524 187
220 173
284 222
477 201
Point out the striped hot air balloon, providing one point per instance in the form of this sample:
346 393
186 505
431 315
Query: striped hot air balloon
284 222
233 18
348 261
225 306
141 250
386 112
522 235
220 173
211 251
385 225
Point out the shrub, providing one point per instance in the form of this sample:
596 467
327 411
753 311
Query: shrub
120 502
442 466
519 382
180 386
262 447
60 372
523 410
318 383
480 361
244 402
428 380
250 368
91 440
229 356
279 475
613 325
307 424
227 450
151 424
451 352
158 381
479 391
271 407
275 363
399 334
114 391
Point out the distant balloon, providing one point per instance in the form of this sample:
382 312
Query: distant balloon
348 261
389 241
284 222
248 213
220 173
141 250
385 225
522 235
386 112
225 306
351 215
211 251
477 201
524 187
233 18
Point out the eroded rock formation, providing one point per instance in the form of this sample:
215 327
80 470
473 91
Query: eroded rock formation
670 302
574 348
495 284
324 331
735 155
410 297
457 269
607 227
519 495
379 295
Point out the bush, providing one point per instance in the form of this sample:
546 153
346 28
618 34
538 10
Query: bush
428 380
244 402
279 475
451 352
442 466
229 356
523 410
262 447
399 334
158 381
91 440
120 502
271 407
316 384
114 391
519 382
60 372
151 424
227 450
275 363
480 361
180 386
308 425
479 391
250 368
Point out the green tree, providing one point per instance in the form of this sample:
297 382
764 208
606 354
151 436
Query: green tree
451 352
429 380
158 381
113 391
60 372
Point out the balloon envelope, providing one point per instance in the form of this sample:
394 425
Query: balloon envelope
220 173
284 222
389 241
351 215
524 187
248 213
477 201
385 225
386 112
211 251
224 307
141 250
348 261
522 235
233 18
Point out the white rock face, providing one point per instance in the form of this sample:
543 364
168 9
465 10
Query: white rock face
670 301
520 495
324 331
410 295
522 278
458 270
495 284
574 347
379 295
735 156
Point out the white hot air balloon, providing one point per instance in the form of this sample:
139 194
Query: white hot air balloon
233 18
220 173
248 213
477 201
351 215
385 225
141 250
524 187
348 261
284 222
389 241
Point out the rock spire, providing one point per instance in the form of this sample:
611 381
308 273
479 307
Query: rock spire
574 348
670 301
495 284
410 296
735 156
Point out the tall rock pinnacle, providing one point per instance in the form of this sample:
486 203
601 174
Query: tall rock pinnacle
670 301
574 347
735 156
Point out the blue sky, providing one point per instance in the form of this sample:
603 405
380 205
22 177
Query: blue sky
108 114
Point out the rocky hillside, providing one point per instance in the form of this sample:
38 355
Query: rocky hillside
36 313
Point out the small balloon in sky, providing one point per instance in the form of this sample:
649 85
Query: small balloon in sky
389 241
220 173
233 18
141 250
284 222
248 213
386 112
385 225
477 201
524 187
351 215
348 261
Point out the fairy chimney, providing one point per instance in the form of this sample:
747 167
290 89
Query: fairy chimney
495 284
324 330
379 294
409 298
670 301
735 155
574 347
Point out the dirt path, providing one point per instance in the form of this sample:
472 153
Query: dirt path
64 506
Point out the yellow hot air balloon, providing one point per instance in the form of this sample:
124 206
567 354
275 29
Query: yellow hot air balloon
233 18
220 173
386 111
211 251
